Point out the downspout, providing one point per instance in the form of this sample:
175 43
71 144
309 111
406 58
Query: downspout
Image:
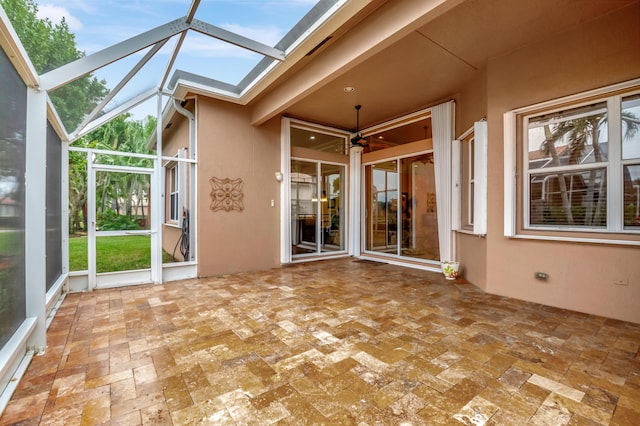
192 172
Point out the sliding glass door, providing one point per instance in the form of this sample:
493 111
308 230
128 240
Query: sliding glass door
317 207
400 200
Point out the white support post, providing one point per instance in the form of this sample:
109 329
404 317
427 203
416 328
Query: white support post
157 200
285 191
356 221
35 216
91 224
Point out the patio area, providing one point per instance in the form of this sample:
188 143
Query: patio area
332 342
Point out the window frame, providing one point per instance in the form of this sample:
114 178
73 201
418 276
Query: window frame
172 182
474 187
517 173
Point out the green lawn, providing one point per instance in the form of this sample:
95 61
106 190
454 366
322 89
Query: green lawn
114 253
8 240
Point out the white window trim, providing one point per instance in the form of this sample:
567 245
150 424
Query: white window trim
176 162
174 189
479 158
480 177
614 223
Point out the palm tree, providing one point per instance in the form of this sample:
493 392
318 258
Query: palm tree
582 133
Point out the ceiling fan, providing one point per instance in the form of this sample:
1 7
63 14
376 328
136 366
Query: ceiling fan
358 139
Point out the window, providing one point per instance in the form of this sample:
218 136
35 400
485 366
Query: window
470 158
173 181
580 164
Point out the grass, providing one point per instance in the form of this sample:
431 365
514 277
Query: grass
123 253
8 240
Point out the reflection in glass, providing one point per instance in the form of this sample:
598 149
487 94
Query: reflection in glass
401 208
631 175
304 200
331 204
382 205
419 230
318 141
583 191
631 128
574 137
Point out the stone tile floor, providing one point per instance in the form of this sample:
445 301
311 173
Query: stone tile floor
333 342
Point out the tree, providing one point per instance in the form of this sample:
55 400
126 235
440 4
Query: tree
583 133
50 46
116 192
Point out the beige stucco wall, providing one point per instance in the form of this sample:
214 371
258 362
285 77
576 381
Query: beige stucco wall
581 275
229 147
471 250
174 138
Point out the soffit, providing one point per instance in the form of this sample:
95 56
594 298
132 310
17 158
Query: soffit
435 61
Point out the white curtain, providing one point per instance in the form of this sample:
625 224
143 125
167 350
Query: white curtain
442 119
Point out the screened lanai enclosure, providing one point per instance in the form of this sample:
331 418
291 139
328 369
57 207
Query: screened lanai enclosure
83 174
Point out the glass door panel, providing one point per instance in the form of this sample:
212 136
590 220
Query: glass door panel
382 207
401 216
331 204
304 207
419 229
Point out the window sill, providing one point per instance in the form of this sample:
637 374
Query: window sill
470 232
172 225
576 239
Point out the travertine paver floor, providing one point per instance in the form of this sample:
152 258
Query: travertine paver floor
332 342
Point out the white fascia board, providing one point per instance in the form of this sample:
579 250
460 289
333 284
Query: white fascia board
116 112
74 70
236 39
56 122
184 87
11 44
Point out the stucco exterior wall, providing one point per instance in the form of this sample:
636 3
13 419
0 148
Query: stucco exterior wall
174 138
230 147
471 250
581 275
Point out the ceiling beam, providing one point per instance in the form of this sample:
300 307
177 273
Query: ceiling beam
76 69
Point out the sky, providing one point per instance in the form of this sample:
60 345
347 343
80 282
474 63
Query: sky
98 24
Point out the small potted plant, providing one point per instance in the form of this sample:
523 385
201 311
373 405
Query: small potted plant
450 269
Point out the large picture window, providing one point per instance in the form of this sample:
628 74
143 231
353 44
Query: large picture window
582 166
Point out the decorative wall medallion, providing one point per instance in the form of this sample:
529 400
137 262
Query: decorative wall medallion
226 194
